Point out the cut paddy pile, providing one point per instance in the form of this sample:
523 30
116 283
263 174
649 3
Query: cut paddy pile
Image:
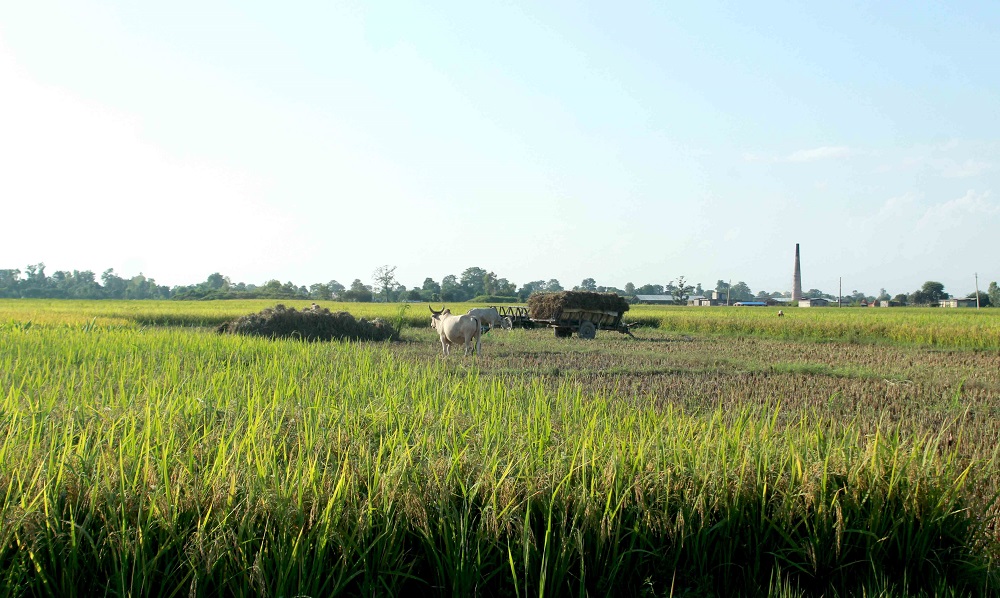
312 323
549 306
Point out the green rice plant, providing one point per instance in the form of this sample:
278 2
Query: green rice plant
171 461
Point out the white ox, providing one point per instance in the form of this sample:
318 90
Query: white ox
489 316
454 330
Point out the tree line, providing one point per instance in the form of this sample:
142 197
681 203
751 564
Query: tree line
473 284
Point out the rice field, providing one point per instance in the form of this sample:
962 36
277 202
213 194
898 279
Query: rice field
724 452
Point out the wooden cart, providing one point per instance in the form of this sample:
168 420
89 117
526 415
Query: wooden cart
584 322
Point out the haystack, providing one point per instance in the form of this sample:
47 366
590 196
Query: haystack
312 324
549 306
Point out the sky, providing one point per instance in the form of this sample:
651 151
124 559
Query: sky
621 141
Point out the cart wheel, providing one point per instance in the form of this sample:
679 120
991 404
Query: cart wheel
564 332
587 330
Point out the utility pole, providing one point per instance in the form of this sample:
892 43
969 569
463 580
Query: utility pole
977 290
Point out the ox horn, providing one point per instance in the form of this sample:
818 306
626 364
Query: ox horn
436 313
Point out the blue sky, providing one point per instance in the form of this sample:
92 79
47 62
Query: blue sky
627 142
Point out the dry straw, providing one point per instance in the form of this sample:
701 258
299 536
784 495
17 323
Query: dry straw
549 306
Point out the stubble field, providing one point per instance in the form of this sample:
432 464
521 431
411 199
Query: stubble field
725 451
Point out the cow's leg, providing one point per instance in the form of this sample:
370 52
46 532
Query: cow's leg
444 347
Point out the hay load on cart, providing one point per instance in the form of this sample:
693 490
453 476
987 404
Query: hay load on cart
582 312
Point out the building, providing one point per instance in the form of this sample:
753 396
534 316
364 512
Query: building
655 299
959 302
817 302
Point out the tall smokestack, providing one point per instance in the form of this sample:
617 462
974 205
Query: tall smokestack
797 277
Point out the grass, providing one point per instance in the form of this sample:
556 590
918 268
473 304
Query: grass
145 460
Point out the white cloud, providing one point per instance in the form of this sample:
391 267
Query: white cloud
972 205
895 207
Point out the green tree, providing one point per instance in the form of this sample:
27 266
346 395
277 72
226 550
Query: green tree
994 294
475 281
216 282
451 290
9 282
505 288
320 292
650 289
588 284
430 290
740 292
358 292
385 281
931 292
530 287
553 286
336 288
680 290
114 285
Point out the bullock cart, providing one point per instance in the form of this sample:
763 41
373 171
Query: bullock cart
569 312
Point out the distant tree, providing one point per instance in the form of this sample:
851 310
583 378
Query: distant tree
336 288
680 290
414 294
474 282
114 285
588 284
530 287
216 282
994 294
883 295
722 287
901 299
451 290
385 281
430 290
320 292
629 288
741 292
699 291
931 292
358 292
9 282
553 286
650 289
505 288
